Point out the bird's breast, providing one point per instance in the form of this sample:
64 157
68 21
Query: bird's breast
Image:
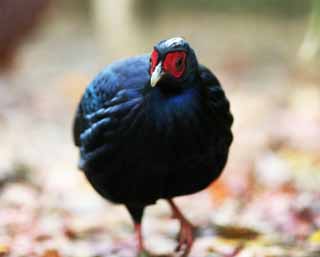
169 128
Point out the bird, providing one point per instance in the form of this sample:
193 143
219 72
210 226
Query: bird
154 126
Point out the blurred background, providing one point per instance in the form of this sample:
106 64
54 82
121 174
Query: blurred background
265 53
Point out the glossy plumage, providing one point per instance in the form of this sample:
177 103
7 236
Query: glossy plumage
140 143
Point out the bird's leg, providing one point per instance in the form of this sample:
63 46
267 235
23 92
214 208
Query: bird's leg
139 238
141 250
136 213
186 230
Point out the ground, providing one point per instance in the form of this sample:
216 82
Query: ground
267 202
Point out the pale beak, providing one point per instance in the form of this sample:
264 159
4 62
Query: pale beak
156 75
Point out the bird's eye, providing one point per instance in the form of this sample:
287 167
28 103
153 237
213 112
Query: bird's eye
175 63
179 64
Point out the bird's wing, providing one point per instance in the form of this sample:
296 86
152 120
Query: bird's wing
219 111
100 90
217 101
100 120
78 125
107 106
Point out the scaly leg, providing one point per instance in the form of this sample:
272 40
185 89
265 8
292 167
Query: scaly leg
186 230
138 232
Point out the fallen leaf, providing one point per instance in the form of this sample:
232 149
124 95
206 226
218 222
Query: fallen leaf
4 249
51 253
236 232
315 237
219 191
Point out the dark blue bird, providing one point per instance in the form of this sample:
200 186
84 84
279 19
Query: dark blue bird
154 126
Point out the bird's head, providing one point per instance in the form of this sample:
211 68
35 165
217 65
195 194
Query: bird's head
172 63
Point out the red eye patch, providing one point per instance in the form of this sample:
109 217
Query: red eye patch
154 60
175 63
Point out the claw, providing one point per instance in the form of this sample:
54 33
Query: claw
186 232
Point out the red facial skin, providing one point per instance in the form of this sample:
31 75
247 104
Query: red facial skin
174 63
154 60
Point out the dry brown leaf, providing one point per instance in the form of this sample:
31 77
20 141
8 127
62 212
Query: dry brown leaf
51 253
219 191
236 232
4 249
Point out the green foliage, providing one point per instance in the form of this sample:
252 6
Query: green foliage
310 48
277 7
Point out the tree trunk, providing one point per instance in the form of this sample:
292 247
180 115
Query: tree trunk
120 30
310 48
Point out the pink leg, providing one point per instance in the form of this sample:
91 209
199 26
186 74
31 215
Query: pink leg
186 230
138 231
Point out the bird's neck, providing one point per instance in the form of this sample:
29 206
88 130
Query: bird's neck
164 108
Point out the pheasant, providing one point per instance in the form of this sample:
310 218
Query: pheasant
154 127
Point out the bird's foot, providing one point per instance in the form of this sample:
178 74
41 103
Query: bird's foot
186 234
185 238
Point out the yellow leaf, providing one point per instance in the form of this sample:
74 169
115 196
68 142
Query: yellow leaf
315 237
51 253
4 249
